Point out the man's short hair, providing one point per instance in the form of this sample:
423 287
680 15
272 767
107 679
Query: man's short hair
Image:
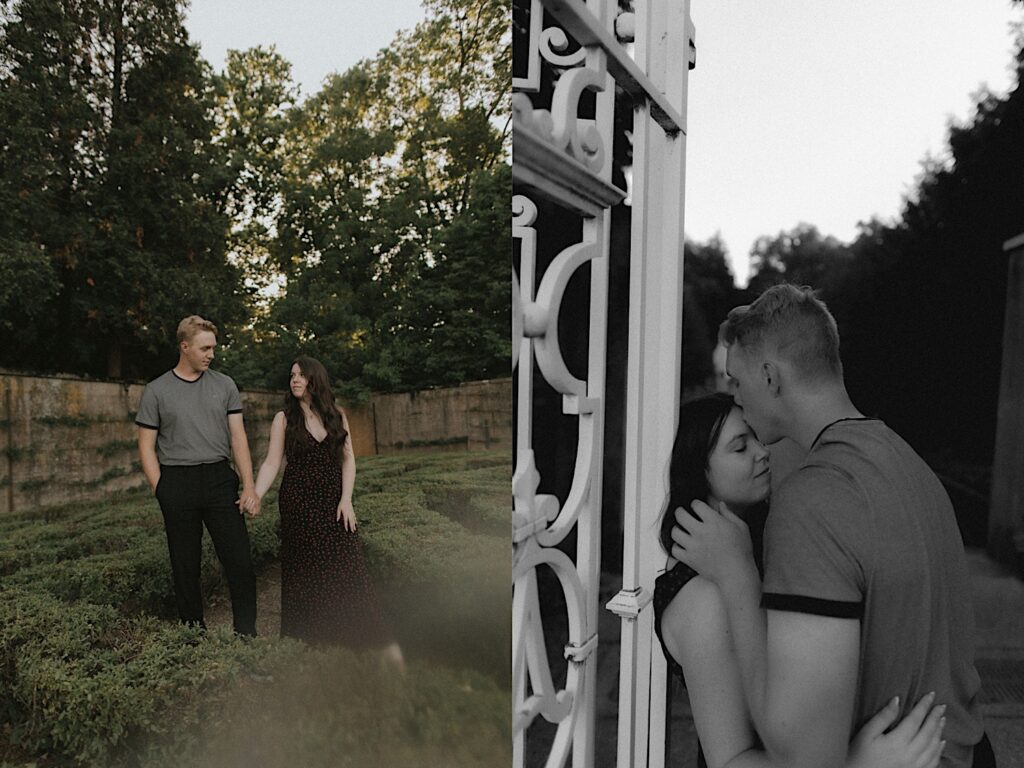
792 322
193 324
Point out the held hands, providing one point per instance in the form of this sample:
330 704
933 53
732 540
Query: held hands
346 513
914 743
714 543
248 502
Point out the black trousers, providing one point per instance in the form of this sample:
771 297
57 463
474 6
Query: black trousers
189 498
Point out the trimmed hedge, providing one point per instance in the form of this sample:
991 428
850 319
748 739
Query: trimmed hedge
89 673
83 681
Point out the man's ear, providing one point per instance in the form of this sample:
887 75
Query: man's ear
770 376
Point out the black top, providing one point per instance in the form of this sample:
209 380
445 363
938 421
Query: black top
667 586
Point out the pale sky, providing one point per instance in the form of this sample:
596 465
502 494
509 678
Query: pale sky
821 111
318 37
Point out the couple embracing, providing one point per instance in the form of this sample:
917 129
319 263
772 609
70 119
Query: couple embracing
850 642
190 425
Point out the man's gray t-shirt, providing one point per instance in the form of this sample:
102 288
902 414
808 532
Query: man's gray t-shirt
191 417
864 529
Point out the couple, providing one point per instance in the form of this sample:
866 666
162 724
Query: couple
190 424
864 607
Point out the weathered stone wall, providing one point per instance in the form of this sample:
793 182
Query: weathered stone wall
474 416
64 439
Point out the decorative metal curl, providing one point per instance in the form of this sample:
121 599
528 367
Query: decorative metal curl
529 656
524 210
541 317
553 41
561 126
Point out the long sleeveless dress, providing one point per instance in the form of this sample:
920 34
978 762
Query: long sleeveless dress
326 593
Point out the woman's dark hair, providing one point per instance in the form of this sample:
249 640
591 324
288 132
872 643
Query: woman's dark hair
700 424
321 398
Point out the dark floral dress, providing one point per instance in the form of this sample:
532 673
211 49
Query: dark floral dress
326 593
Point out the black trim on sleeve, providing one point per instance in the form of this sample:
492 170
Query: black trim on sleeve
234 410
148 426
837 609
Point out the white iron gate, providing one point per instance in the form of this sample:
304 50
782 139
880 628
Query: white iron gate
577 60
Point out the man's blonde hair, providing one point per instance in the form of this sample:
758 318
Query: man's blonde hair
193 324
792 322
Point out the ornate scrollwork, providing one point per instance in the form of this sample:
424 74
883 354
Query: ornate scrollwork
563 157
539 521
553 41
524 214
561 127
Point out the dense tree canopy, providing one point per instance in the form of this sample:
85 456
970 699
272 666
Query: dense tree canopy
141 186
709 293
391 215
106 177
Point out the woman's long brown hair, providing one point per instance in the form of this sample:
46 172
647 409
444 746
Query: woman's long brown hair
318 384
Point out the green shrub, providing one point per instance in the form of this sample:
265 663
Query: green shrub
87 683
88 673
84 682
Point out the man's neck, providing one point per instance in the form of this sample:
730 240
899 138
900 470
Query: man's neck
817 412
185 371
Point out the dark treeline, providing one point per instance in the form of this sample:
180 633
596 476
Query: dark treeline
366 225
920 301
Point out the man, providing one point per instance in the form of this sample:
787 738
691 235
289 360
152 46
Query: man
190 423
866 591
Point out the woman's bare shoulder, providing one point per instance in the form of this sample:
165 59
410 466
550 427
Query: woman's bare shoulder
696 614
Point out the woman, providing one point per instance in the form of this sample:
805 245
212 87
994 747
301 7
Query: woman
326 594
718 459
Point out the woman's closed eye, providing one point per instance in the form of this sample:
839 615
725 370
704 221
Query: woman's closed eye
739 444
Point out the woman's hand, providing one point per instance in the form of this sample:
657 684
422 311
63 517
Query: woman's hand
914 743
346 513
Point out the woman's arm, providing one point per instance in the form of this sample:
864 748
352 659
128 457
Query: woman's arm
275 454
348 478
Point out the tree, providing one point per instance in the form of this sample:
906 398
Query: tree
801 256
45 122
709 292
452 325
713 287
109 168
388 197
254 99
332 230
449 101
159 253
